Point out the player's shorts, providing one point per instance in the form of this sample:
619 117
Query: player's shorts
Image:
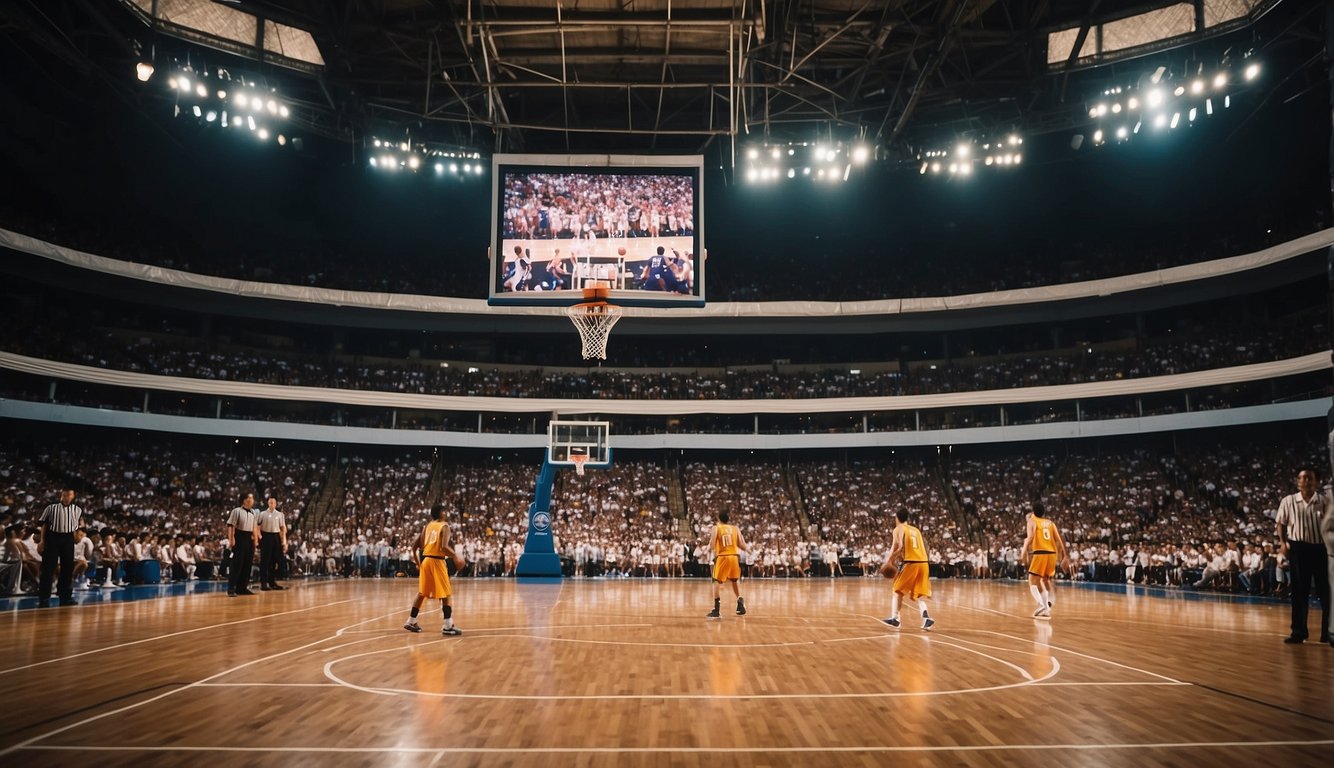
913 580
727 568
1043 564
433 581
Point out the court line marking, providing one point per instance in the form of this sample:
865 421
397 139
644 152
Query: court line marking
1121 682
386 691
1084 655
705 750
28 743
927 636
170 634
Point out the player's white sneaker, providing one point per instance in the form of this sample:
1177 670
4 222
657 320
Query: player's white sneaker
452 631
1039 613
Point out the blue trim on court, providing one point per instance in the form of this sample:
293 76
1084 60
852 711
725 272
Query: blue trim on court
121 595
1172 593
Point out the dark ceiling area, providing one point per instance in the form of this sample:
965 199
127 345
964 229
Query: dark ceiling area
663 75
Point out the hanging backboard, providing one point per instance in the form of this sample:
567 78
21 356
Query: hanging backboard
578 442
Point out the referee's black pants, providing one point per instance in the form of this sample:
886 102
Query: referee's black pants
57 548
243 557
270 554
1308 563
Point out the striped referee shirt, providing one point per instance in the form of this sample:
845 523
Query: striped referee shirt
61 518
243 519
1302 518
271 521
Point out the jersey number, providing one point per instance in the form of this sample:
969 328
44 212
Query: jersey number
725 540
915 543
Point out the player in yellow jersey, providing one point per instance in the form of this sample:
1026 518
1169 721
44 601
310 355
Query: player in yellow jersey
1043 540
727 545
433 578
912 580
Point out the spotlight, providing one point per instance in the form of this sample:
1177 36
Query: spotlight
1132 103
791 173
1220 80
1155 97
1193 112
1197 87
374 162
776 153
183 83
1208 106
273 107
752 153
1116 108
201 91
806 171
922 170
454 168
962 150
283 111
1252 71
197 111
1180 89
935 167
282 140
439 167
403 146
1227 101
143 70
1018 159
954 168
263 134
988 160
1176 118
172 83
1102 110
414 162
467 167
250 121
965 169
860 154
224 118
1138 123
791 151
1093 112
222 95
241 99
1121 132
1159 121
1097 136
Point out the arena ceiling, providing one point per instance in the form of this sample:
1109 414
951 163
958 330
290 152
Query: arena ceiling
670 75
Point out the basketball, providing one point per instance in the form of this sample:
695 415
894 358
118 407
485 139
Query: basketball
889 571
620 251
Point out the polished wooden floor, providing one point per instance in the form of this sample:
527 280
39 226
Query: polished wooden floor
612 673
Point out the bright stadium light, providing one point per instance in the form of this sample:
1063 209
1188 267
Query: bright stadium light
1116 108
1176 118
282 140
752 153
212 116
963 150
250 121
263 134
222 95
241 99
776 153
1220 80
1097 136
860 154
374 162
1156 97
414 162
1193 113
439 167
143 70
1159 121
935 167
183 83
791 173
922 170
1093 111
284 111
1132 103
1208 106
1122 132
454 168
1252 71
1179 90
1197 87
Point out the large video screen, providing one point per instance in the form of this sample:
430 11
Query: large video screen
629 224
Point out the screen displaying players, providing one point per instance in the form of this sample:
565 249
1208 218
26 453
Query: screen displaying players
632 230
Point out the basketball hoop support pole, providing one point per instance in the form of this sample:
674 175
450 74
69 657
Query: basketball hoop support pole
539 556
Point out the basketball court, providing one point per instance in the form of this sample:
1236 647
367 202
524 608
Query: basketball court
614 672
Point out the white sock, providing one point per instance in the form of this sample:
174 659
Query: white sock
1037 595
412 620
894 606
449 623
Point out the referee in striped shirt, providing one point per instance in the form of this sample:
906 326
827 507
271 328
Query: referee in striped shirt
59 522
1298 524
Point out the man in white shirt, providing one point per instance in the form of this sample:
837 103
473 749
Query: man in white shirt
185 555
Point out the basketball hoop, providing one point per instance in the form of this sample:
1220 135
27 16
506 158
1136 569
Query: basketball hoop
579 461
594 319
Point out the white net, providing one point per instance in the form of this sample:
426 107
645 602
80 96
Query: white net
594 322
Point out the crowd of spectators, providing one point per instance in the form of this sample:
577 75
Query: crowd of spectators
187 358
1193 516
766 276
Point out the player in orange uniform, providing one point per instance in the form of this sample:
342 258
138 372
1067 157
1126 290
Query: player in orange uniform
1044 541
433 579
727 545
912 579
